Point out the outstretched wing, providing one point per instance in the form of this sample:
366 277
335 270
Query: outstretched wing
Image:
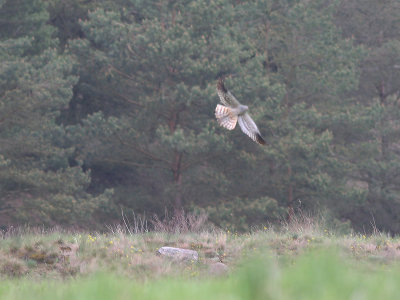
226 117
226 96
250 128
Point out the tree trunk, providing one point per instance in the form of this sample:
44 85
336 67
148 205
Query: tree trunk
384 139
177 169
290 194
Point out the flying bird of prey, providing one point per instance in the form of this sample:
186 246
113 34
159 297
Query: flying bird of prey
234 112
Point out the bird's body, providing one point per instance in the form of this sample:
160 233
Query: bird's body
241 109
233 112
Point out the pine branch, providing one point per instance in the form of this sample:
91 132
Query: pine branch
129 100
143 151
131 163
197 161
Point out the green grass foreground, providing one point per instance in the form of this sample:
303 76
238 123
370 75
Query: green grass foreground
315 275
298 262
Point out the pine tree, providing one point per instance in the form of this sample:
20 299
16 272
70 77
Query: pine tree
160 73
38 184
311 67
65 15
372 154
23 18
157 77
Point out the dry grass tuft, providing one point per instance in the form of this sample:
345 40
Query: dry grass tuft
302 223
181 222
12 267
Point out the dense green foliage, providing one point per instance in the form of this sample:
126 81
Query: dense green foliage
108 105
38 182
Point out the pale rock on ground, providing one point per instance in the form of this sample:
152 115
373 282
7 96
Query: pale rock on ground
178 253
218 269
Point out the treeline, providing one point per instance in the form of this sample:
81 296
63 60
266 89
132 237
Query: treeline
109 105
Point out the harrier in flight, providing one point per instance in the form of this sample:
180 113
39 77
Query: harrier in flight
233 112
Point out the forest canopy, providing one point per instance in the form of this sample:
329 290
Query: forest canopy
108 106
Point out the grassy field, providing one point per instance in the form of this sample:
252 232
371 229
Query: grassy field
299 262
313 276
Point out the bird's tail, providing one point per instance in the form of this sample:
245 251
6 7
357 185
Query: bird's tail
225 117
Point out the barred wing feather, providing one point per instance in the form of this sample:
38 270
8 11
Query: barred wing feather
225 117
